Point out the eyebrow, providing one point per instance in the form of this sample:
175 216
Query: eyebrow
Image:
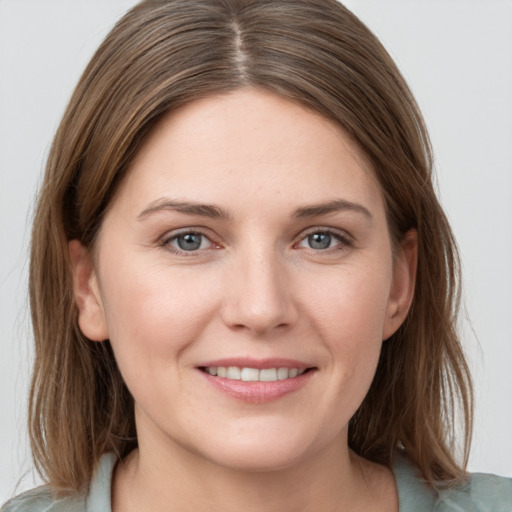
338 205
186 207
216 212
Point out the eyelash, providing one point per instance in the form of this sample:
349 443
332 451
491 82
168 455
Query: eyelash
344 241
167 241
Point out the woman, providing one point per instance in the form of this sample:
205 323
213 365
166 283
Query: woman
242 277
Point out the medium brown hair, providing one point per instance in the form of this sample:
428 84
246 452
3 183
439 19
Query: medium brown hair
161 55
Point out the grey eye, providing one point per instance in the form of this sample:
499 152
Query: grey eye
319 240
189 241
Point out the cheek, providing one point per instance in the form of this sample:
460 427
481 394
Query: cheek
351 304
349 315
153 312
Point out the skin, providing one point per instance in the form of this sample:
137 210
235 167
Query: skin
255 287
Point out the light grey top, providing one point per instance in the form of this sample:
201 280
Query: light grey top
482 493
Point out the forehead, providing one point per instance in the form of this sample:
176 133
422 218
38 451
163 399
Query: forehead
246 144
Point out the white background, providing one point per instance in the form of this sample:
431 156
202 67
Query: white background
457 57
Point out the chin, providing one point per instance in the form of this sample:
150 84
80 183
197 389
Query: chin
258 458
265 450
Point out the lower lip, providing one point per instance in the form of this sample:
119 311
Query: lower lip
258 392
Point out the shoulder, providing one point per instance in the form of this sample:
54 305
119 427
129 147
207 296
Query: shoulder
481 493
97 499
41 500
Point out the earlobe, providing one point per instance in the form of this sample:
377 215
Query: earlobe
91 314
403 283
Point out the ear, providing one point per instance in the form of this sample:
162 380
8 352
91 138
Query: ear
91 314
403 283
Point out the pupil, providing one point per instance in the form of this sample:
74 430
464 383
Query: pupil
319 240
189 242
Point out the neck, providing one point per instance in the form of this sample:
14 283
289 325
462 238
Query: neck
177 479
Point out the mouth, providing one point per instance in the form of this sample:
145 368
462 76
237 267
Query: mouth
257 381
248 374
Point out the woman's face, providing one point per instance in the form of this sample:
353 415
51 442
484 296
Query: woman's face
245 278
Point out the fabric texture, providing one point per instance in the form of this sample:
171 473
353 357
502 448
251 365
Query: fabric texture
482 493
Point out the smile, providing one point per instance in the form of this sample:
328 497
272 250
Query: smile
253 374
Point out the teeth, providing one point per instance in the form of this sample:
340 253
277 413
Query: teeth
253 374
268 375
233 373
250 374
282 373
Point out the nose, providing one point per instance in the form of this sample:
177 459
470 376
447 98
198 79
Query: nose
259 298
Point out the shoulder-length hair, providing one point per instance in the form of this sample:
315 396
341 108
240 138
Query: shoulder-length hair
163 54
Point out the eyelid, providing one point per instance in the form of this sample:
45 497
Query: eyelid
165 240
346 239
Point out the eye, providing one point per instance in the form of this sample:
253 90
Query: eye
189 241
319 240
322 240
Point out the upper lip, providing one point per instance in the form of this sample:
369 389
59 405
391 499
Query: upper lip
260 364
